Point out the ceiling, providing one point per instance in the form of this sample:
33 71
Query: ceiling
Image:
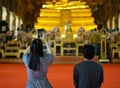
28 10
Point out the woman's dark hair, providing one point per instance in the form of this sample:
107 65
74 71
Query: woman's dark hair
36 51
88 51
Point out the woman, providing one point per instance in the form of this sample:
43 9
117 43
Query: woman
37 64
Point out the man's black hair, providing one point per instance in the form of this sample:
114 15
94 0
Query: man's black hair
88 51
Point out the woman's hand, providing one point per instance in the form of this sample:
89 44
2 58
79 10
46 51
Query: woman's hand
43 38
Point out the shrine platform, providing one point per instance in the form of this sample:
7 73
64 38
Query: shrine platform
57 60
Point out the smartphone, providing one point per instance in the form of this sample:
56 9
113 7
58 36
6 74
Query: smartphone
40 32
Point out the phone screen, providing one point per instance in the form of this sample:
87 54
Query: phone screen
40 32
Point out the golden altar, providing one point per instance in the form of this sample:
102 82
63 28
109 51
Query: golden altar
56 14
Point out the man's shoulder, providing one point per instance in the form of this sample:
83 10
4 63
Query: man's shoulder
79 64
88 63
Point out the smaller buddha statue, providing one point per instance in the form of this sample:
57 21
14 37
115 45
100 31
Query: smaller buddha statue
95 37
80 34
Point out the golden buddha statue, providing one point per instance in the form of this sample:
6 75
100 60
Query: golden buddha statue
68 32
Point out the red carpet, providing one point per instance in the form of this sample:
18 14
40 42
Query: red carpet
60 75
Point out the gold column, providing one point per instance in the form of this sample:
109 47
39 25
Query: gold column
103 54
0 10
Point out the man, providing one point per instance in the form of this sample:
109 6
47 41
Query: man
88 74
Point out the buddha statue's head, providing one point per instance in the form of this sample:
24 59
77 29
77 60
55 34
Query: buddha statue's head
68 27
